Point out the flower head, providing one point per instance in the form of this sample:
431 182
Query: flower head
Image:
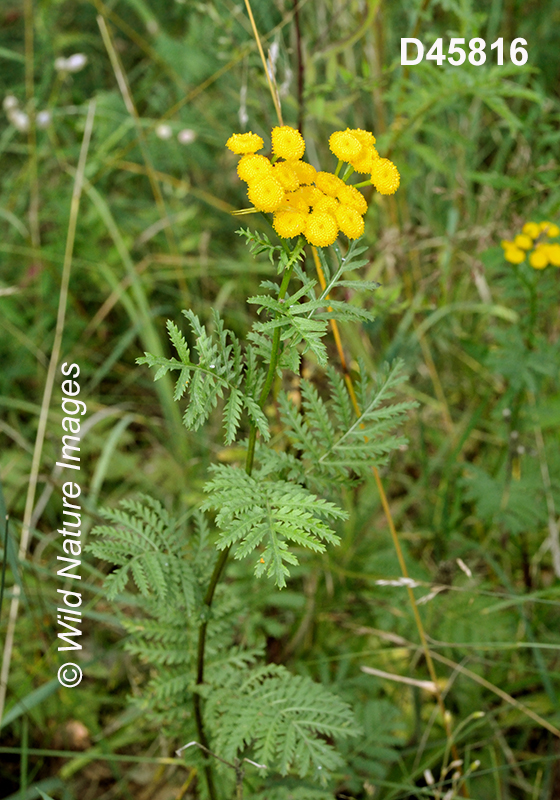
328 183
315 204
350 196
523 241
550 229
512 253
385 176
351 223
531 229
327 204
365 161
253 167
306 172
300 200
286 175
241 143
321 229
266 194
366 138
539 258
554 254
289 223
287 143
344 145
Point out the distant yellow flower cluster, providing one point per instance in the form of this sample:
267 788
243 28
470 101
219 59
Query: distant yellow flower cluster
532 238
304 201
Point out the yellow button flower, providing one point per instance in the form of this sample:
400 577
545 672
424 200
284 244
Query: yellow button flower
327 205
344 145
531 229
309 195
306 172
539 258
366 138
385 176
253 168
266 195
287 143
289 223
523 241
550 229
554 254
328 183
286 176
350 221
241 143
350 196
514 254
365 161
296 201
321 229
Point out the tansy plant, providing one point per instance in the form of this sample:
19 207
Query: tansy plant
534 242
274 502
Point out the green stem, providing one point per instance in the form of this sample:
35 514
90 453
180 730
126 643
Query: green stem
223 557
338 167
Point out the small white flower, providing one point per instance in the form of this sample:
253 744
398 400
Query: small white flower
43 119
73 63
152 27
186 136
10 102
76 62
164 131
20 120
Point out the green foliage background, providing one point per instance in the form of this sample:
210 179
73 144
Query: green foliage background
479 480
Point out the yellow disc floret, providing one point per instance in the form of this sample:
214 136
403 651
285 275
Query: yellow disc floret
539 258
296 201
350 196
305 172
550 229
344 145
327 204
514 254
266 195
385 176
286 176
241 143
287 143
554 254
523 241
531 229
365 161
253 168
289 223
328 183
321 229
350 221
366 138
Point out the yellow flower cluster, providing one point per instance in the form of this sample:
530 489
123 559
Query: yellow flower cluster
532 239
305 202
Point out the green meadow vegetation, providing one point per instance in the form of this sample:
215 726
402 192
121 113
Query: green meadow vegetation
396 633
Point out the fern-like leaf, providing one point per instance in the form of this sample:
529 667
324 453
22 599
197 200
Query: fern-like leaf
282 718
219 369
144 543
255 513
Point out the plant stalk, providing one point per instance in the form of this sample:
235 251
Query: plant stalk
223 557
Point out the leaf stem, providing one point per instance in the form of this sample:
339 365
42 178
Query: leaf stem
223 557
